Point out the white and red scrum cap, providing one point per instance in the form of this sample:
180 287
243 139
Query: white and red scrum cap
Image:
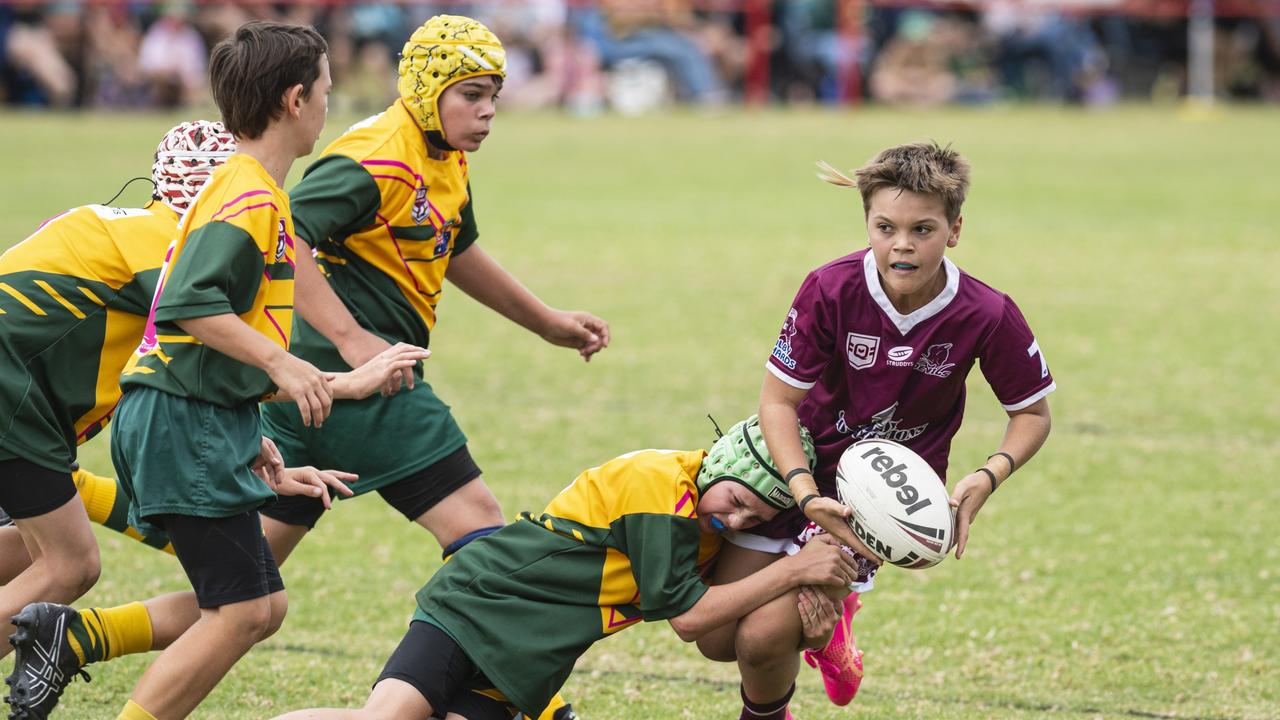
185 159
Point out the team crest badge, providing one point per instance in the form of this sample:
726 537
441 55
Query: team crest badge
281 242
421 206
862 350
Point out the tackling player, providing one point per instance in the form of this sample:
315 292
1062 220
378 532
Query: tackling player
388 209
878 344
500 626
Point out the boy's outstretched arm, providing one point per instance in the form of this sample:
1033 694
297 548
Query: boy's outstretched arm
320 306
297 379
1023 436
818 563
780 425
477 274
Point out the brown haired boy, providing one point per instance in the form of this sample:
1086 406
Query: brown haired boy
877 344
186 440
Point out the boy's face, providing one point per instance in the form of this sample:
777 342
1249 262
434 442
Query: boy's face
313 110
729 505
909 234
467 109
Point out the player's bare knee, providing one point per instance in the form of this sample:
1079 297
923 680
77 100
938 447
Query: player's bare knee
717 645
249 619
73 574
769 633
279 605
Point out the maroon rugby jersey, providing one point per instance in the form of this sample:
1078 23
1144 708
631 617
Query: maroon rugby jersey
872 372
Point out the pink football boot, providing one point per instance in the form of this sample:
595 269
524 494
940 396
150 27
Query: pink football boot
840 662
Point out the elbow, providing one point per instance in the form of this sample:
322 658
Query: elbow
686 630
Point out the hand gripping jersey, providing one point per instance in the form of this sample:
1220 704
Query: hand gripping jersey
872 372
618 546
74 298
384 220
234 254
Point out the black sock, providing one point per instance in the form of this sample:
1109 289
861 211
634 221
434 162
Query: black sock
774 710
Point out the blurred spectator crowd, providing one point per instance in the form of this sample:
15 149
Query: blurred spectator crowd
634 55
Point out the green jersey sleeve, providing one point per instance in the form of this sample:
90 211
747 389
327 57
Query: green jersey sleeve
663 550
218 271
335 198
468 233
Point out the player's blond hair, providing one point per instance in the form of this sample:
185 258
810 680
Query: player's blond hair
923 168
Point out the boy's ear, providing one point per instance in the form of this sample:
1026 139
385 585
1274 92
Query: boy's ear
955 232
293 101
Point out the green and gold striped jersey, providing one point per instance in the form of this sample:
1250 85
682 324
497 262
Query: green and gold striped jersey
384 220
618 546
74 298
234 253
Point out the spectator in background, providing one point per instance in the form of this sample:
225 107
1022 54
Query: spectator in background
653 30
932 60
113 35
1041 53
548 65
33 69
171 58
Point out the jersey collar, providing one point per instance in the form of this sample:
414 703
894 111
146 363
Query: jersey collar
905 323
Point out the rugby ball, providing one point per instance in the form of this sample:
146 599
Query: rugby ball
901 510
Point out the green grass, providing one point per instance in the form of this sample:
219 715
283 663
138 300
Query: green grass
1128 571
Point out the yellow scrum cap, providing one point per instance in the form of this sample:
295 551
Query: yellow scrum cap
445 50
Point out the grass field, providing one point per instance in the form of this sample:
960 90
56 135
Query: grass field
1129 571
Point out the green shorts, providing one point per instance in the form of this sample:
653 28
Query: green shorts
174 455
380 439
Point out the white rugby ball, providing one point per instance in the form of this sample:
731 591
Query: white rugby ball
901 510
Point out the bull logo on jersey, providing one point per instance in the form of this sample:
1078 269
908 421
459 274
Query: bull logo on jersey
282 241
862 350
934 361
782 348
421 205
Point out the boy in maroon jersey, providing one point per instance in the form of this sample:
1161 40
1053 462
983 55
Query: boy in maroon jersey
877 344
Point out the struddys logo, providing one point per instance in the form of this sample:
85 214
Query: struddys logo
861 350
934 361
882 425
421 206
282 242
899 356
782 348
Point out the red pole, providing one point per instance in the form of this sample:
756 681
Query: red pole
849 54
759 40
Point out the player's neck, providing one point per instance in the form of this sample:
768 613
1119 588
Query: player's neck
274 151
907 303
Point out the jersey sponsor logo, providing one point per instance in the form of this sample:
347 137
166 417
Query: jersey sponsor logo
882 425
862 350
281 242
114 213
934 361
782 348
899 356
421 206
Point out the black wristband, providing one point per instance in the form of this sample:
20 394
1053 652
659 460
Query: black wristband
1012 465
805 500
797 471
994 483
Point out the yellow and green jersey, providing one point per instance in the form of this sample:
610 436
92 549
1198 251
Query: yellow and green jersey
74 298
384 220
618 546
234 253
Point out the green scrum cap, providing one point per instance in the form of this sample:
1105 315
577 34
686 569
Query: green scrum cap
741 455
